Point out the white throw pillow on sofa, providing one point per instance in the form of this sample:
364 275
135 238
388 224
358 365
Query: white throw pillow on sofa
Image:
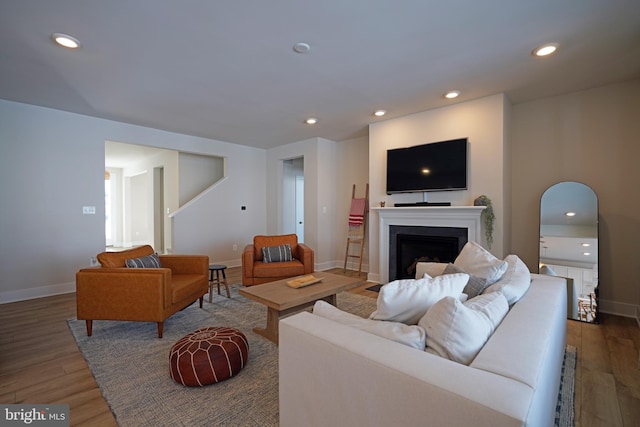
407 300
433 269
477 261
515 282
413 336
458 331
494 305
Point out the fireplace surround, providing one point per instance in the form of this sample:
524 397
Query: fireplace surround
465 217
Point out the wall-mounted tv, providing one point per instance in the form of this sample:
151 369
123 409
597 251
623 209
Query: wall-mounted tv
439 166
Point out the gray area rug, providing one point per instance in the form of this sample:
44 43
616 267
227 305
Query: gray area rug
565 416
131 366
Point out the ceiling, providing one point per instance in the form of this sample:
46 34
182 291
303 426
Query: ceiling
227 70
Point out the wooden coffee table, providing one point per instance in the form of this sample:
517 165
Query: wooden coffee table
282 300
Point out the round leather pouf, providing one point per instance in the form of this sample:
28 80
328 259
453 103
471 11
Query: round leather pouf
208 356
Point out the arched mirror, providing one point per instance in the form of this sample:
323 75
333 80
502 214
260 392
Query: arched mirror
569 245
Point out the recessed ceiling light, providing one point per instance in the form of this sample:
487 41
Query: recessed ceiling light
585 245
570 214
380 113
545 50
311 121
452 94
586 253
65 40
301 47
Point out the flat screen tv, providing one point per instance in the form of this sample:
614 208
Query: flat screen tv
439 166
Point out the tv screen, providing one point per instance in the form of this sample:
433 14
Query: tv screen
439 166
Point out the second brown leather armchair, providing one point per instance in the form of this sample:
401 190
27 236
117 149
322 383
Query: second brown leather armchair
255 271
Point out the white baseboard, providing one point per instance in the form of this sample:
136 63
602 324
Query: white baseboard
40 292
229 263
373 277
620 309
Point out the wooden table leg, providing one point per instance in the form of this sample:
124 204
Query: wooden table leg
270 332
331 299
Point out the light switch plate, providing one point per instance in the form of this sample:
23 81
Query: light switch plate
88 210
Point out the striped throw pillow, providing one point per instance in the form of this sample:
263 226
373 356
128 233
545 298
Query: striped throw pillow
277 253
149 261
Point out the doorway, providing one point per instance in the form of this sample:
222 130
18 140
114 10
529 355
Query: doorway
158 209
293 197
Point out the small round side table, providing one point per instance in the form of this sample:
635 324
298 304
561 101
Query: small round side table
214 278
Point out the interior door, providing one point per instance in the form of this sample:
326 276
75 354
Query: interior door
300 208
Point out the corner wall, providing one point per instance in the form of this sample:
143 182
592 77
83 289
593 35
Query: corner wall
590 137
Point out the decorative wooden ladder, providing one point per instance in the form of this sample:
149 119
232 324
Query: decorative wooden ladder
357 226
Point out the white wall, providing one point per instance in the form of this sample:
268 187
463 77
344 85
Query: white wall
139 209
483 122
196 174
168 161
52 164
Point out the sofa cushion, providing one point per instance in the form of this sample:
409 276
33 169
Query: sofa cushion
408 300
538 325
458 331
148 261
515 282
185 285
278 269
280 253
118 259
476 260
474 286
413 336
433 269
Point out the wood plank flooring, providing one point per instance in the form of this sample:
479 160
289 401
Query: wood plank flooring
40 362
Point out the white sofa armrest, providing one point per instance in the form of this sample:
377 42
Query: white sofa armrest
334 375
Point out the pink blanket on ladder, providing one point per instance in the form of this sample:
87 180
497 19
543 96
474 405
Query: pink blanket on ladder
356 214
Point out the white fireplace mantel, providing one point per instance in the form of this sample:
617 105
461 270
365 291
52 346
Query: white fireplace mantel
424 216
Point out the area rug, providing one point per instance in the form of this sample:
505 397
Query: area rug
131 366
565 408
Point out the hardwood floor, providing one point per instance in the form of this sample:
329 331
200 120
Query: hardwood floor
40 362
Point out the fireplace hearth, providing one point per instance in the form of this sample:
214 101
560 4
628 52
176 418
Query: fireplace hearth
409 245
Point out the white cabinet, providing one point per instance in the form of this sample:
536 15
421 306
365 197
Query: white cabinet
589 281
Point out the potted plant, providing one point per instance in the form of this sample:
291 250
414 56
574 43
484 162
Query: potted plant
487 217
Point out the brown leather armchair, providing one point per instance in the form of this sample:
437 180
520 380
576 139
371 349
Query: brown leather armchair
115 292
255 271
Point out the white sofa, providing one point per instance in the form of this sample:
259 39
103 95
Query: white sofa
335 375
